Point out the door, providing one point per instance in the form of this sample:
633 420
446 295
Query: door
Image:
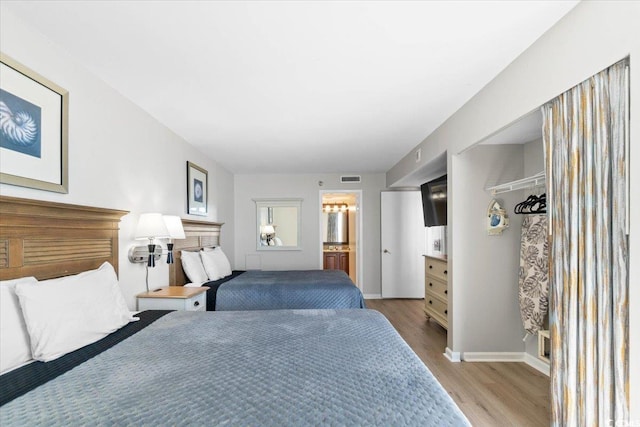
350 259
402 239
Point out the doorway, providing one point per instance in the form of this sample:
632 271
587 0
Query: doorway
340 229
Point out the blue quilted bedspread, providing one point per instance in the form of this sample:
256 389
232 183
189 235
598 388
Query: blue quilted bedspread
258 368
272 290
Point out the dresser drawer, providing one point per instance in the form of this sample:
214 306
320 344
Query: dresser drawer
435 268
436 309
436 287
187 303
196 303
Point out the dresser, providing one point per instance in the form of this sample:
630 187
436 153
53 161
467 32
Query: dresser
436 289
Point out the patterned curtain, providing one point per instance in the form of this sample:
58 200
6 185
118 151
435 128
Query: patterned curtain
584 134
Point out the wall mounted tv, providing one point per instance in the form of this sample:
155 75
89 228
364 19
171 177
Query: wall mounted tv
434 202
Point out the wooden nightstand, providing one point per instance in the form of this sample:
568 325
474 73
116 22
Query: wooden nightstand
174 298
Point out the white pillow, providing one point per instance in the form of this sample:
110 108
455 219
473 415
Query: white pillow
223 262
15 348
210 262
65 314
215 263
192 266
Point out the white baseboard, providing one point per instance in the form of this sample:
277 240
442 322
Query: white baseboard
472 356
372 296
537 364
534 362
453 356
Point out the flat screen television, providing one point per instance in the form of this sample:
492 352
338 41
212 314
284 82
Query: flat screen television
434 202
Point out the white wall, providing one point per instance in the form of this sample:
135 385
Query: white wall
119 156
305 186
588 39
486 312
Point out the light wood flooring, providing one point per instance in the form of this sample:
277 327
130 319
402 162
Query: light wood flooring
489 393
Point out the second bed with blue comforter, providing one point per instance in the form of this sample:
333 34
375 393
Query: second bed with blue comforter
292 289
243 368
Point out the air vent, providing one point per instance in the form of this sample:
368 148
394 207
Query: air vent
350 178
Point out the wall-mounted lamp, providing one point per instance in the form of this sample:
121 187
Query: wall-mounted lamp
150 226
174 226
267 232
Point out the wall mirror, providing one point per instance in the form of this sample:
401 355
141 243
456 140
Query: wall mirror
335 226
278 224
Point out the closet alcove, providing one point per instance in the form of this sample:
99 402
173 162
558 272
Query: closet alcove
507 167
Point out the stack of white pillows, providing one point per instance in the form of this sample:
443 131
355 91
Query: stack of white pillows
43 320
205 265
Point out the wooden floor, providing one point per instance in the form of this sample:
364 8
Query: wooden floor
489 393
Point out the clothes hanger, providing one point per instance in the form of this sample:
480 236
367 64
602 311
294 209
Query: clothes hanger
532 205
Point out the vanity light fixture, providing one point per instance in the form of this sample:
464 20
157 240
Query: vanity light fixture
335 207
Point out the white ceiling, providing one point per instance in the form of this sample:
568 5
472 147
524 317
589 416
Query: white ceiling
295 87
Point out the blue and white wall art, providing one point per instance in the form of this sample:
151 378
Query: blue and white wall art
20 125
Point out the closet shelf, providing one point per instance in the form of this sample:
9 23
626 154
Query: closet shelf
520 184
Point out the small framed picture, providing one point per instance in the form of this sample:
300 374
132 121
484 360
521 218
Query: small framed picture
197 190
33 129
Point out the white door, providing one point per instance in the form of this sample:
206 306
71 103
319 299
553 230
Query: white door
402 238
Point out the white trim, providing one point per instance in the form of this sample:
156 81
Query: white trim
453 356
372 296
534 362
537 364
469 356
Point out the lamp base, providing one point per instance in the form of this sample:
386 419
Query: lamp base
140 254
169 253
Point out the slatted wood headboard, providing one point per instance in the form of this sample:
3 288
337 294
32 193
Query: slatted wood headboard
47 239
199 234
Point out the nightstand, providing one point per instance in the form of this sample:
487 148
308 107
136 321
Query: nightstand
174 298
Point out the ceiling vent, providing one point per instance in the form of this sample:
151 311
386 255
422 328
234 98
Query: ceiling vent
350 179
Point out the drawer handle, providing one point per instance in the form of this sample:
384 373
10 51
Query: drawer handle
445 291
431 266
445 312
430 302
430 284
196 303
445 272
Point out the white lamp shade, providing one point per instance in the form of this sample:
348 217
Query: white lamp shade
151 225
268 229
174 226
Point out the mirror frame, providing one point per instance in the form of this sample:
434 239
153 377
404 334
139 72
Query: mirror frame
272 203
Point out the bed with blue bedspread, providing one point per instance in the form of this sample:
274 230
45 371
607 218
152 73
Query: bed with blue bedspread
267 368
293 289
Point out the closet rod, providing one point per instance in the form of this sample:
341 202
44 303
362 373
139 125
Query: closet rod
520 184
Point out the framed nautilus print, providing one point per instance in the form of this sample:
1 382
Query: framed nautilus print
33 129
197 190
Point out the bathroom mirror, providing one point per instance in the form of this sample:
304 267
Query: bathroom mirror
335 227
278 224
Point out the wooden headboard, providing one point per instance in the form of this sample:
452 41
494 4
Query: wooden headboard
199 234
47 239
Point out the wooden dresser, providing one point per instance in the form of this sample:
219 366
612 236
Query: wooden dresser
436 289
